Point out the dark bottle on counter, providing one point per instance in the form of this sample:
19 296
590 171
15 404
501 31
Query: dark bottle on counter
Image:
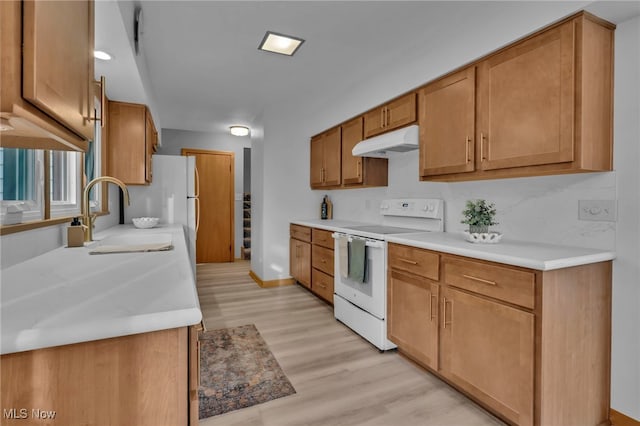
324 208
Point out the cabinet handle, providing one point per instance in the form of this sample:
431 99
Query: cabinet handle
102 83
431 316
479 279
321 285
444 313
482 138
468 149
358 168
411 262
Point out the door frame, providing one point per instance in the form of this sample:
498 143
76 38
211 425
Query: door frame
195 151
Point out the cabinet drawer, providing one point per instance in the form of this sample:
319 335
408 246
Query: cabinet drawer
322 285
322 238
415 260
322 259
500 282
301 233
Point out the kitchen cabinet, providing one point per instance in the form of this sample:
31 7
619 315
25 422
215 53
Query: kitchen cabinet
447 124
300 254
140 379
543 105
395 114
326 154
360 171
322 262
47 74
132 141
516 340
194 373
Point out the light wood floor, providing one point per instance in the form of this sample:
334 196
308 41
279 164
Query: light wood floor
340 378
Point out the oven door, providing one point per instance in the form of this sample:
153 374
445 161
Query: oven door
370 295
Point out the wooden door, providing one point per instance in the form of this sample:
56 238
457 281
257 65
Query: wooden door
317 161
401 112
526 102
127 149
413 316
55 77
332 157
374 121
149 141
488 350
447 124
215 237
351 165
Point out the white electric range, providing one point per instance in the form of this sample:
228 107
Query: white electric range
362 306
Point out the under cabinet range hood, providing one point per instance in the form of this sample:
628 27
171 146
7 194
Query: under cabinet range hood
401 140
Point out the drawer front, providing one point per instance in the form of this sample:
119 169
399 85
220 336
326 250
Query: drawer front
322 238
301 233
322 259
322 285
500 282
415 260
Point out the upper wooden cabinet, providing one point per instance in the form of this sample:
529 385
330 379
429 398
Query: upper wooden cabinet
360 171
543 106
47 74
393 115
447 124
326 153
132 141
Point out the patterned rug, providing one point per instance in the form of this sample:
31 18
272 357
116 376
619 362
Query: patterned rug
237 370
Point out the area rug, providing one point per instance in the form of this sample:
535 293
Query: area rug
237 370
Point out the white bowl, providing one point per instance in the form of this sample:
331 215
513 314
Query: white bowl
145 222
483 238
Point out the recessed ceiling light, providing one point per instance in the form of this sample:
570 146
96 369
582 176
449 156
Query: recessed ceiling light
239 130
100 54
280 43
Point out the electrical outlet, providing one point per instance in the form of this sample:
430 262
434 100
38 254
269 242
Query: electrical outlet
597 210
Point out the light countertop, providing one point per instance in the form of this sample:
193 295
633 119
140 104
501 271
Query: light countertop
540 256
69 296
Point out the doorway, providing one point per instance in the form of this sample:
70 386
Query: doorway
215 235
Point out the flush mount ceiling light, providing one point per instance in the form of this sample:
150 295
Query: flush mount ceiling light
280 43
100 54
239 130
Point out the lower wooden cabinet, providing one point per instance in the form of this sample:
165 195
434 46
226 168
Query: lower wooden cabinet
194 373
140 379
531 346
300 261
413 316
311 259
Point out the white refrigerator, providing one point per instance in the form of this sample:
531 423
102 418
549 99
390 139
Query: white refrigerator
172 196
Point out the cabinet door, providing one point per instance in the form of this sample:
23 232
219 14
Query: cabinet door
317 160
526 102
351 165
57 71
149 141
322 285
127 150
447 124
488 350
194 373
401 112
413 316
332 157
300 261
374 121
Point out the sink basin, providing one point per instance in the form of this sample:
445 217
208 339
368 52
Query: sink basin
133 242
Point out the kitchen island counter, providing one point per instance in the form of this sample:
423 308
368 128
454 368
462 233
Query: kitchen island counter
69 296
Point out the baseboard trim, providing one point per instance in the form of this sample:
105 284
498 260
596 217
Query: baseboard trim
619 419
271 283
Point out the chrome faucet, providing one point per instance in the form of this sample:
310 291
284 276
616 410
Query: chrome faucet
87 217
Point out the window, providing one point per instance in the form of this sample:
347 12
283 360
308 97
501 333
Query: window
64 184
21 185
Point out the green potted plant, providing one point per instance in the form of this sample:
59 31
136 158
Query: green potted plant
479 215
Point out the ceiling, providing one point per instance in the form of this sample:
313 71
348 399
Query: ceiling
199 67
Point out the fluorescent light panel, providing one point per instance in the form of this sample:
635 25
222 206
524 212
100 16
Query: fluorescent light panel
280 43
99 54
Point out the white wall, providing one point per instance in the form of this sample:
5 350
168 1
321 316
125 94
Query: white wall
173 142
534 209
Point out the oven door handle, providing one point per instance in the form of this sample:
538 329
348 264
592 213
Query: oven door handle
368 243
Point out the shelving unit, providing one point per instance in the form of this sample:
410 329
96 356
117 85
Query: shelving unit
245 250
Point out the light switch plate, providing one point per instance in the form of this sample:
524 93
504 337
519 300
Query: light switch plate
597 210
